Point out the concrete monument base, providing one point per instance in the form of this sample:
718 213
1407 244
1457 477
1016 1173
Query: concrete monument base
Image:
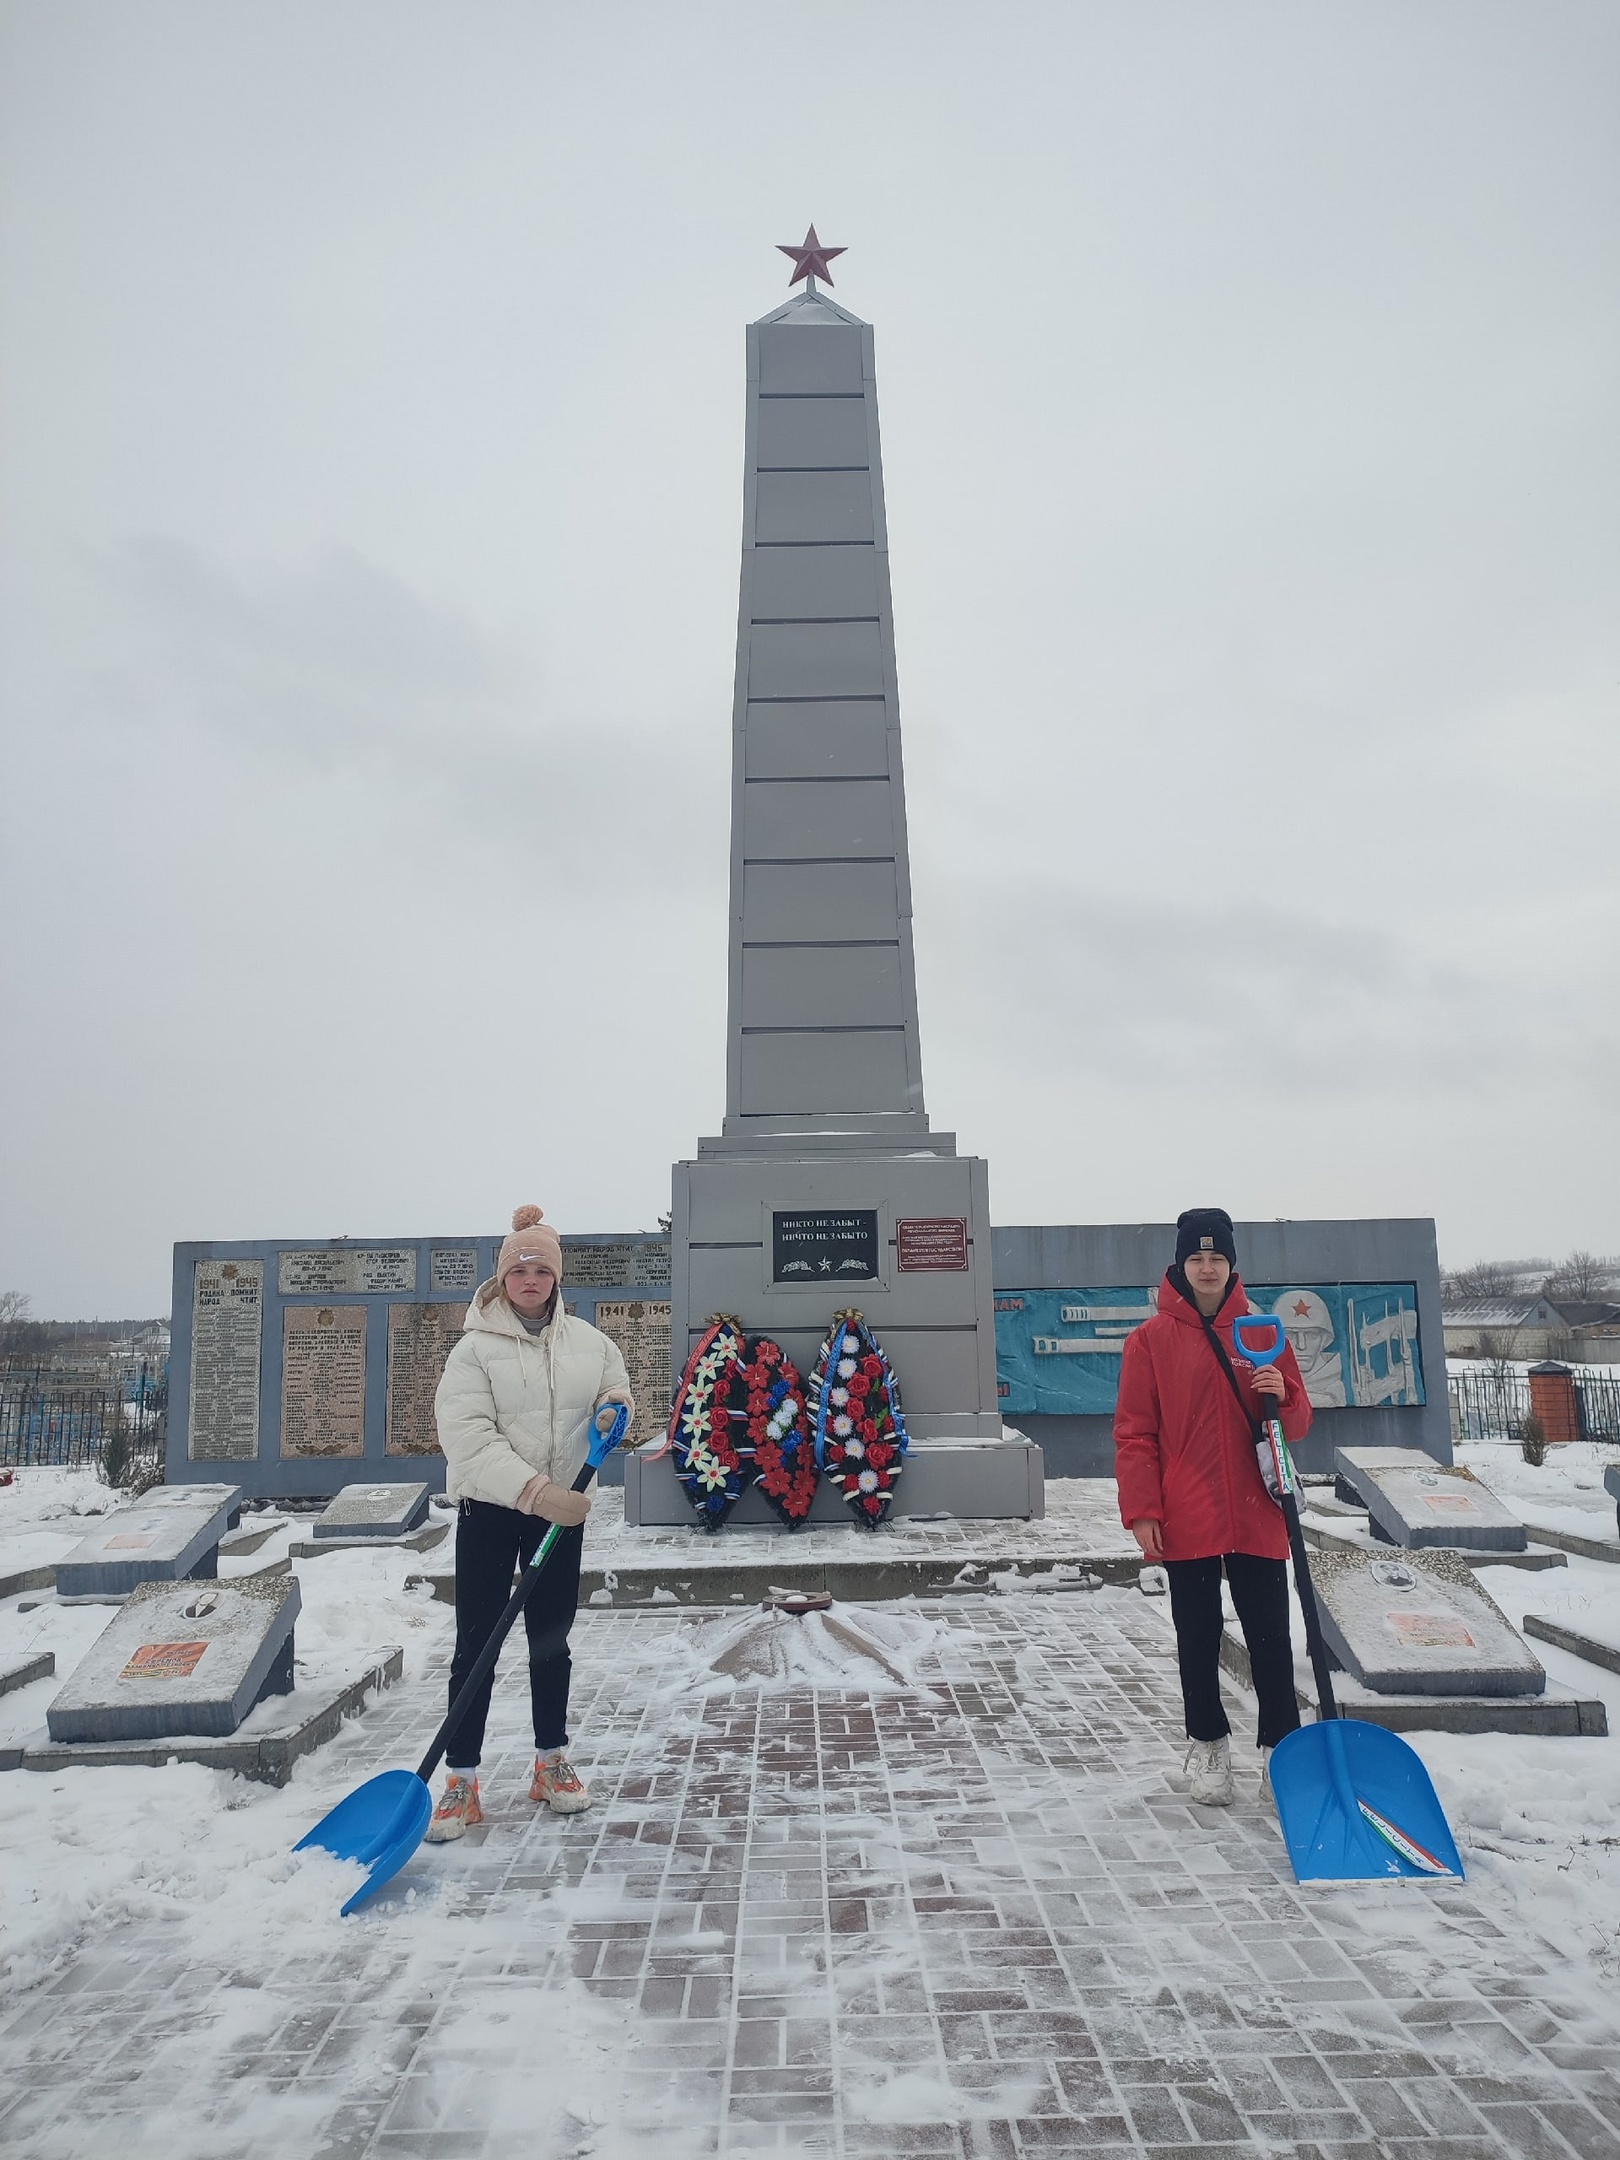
986 1481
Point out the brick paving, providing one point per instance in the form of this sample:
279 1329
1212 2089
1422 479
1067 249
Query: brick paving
973 1919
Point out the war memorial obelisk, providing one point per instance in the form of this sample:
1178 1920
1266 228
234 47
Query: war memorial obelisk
825 1187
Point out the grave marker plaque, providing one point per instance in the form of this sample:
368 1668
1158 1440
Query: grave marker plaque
323 1380
181 1658
420 1339
1419 1624
165 1536
227 1325
1415 1501
374 1511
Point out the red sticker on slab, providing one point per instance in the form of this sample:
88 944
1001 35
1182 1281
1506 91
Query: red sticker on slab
164 1661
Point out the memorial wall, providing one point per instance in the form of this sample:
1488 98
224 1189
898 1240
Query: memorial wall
1359 1301
301 1367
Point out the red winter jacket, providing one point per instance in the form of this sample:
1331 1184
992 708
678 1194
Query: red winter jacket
1183 1453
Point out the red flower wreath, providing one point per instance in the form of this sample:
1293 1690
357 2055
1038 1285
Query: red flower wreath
785 1461
855 1402
713 1460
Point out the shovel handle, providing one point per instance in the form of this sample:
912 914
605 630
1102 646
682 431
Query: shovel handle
1326 1702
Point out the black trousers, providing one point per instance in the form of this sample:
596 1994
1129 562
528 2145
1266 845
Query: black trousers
1260 1593
491 1544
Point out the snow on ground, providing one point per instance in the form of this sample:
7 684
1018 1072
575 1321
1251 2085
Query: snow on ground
1566 1492
354 1603
94 1863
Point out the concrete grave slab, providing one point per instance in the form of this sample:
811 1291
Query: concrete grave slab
1418 1623
182 1658
168 1535
1350 1533
1558 1713
228 1497
373 1511
1415 1501
270 1739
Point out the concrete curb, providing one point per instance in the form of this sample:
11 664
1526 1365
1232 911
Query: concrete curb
1570 1639
31 1578
1584 1548
852 1582
267 1758
422 1540
1556 1713
1537 1556
38 1667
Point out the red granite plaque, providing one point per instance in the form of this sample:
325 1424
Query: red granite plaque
932 1245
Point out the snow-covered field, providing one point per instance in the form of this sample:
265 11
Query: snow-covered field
171 1879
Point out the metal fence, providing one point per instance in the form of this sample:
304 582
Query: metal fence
64 1421
1494 1405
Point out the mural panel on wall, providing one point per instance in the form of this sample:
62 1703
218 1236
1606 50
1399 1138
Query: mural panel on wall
1058 1351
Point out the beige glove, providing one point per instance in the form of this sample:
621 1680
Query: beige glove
602 1417
556 1503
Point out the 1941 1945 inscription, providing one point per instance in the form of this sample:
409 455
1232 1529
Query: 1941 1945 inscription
227 1314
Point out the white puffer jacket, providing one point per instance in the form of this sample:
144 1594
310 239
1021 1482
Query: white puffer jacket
512 1405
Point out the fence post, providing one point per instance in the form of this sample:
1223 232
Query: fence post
1553 1399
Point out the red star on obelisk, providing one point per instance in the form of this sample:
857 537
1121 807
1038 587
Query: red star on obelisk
811 260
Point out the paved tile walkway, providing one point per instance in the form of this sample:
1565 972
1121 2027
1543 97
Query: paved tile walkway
972 1919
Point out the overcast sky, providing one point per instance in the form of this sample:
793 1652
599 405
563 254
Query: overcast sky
372 409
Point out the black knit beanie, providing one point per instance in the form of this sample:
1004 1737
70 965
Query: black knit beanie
1205 1229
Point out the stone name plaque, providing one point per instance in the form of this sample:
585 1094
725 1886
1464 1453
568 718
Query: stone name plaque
620 1265
347 1272
640 1327
932 1245
227 1317
323 1380
453 1268
420 1338
825 1245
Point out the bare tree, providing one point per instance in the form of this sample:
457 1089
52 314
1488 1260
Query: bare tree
1499 1349
18 1333
1485 1279
1584 1277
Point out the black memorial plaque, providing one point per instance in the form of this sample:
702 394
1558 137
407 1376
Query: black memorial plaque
825 1245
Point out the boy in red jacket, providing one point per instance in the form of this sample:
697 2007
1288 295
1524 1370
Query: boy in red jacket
1191 1491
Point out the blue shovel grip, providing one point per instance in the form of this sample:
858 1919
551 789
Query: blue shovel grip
1252 1351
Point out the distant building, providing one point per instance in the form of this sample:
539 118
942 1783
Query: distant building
1533 1328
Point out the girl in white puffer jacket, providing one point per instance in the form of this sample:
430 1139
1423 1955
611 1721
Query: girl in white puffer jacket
514 1411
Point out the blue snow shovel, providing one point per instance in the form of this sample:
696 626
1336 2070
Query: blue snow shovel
1354 1801
382 1822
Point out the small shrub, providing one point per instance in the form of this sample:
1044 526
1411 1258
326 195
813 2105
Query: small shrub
123 1464
1533 1441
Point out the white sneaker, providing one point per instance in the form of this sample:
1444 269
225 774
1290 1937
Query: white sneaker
1265 1773
1208 1768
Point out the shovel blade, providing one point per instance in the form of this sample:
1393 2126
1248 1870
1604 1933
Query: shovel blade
380 1824
1357 1805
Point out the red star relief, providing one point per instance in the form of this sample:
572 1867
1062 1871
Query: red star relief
1301 1310
811 260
